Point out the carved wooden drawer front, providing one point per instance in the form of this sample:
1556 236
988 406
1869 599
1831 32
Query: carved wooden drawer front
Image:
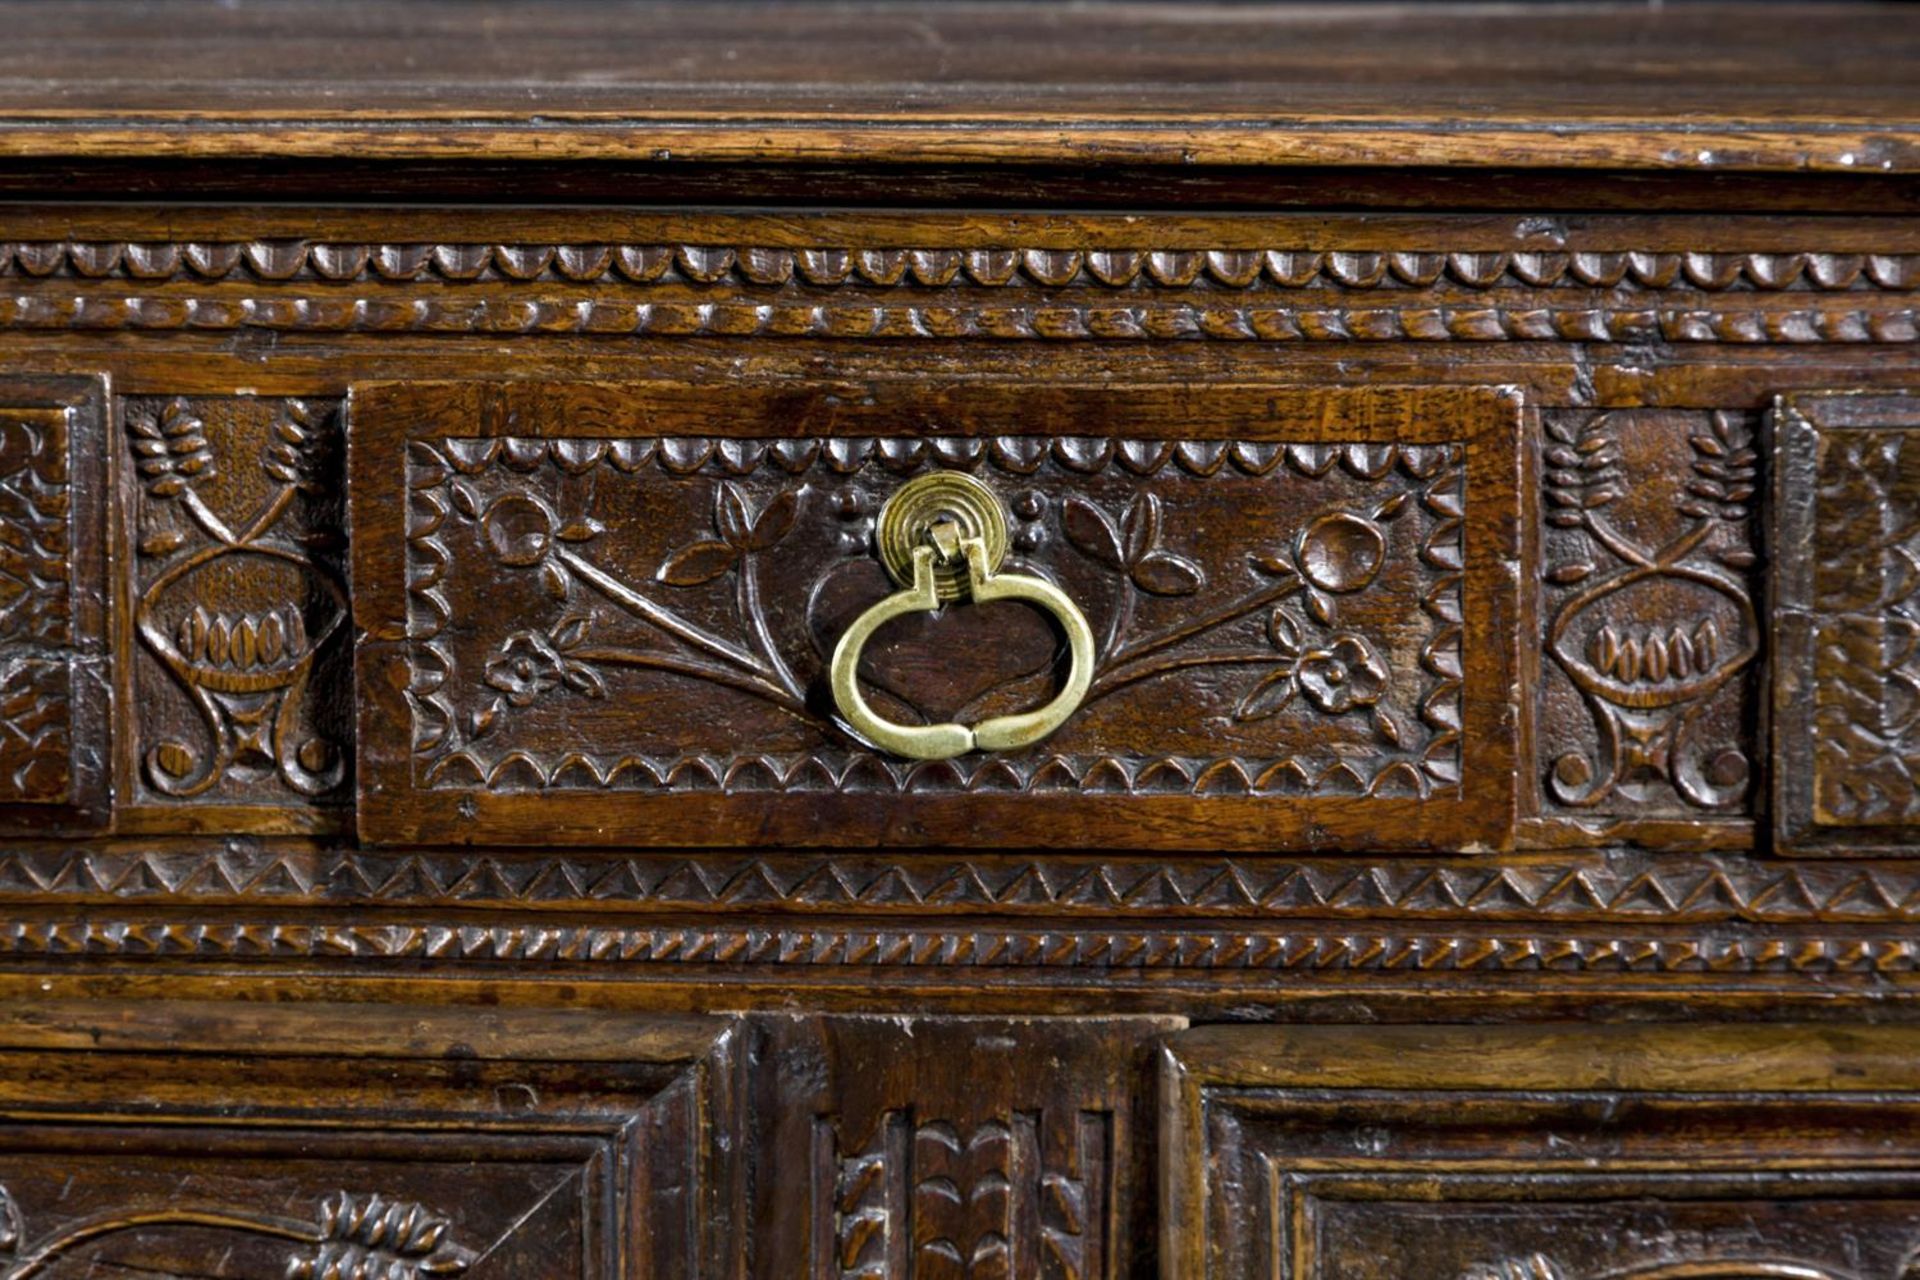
364 1141
1516 1153
603 613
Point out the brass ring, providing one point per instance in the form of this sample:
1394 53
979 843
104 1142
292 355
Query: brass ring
944 741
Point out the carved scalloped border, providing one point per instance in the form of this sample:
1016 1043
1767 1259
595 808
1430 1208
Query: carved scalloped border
1767 318
277 261
465 769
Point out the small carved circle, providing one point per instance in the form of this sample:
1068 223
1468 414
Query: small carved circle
1728 769
1572 771
519 530
925 501
1030 505
315 755
1342 552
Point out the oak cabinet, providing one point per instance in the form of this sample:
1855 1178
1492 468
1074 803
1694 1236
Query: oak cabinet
890 640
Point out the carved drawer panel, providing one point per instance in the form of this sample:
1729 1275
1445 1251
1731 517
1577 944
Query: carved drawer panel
599 614
1538 1153
400 1143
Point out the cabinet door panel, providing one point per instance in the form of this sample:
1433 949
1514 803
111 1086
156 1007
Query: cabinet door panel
321 1142
1516 1153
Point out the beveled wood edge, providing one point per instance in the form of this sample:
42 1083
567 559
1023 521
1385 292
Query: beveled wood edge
1692 1057
358 1031
1730 145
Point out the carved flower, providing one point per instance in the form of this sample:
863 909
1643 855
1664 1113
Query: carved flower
1346 675
527 666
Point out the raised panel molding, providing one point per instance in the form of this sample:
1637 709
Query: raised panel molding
53 652
367 1141
234 613
1541 1153
1313 683
1651 634
957 1147
1846 596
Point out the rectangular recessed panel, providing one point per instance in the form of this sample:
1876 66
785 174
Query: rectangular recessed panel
604 614
1846 586
1529 1153
53 687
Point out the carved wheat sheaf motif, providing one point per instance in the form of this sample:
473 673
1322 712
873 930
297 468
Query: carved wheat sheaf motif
933 1200
1652 618
752 554
237 596
351 1237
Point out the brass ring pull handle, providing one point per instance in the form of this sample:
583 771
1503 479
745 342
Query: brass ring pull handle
950 533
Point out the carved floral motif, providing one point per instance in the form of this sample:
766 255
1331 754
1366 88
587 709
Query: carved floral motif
946 1199
1652 614
352 1237
725 603
234 595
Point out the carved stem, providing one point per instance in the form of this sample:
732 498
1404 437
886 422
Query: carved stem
1150 645
669 622
1119 678
48 1250
756 686
755 618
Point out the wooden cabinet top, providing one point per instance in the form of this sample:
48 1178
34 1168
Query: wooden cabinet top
1694 87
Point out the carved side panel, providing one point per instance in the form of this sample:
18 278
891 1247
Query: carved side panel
363 1144
1846 582
1530 1153
1649 689
53 683
957 1147
236 612
1282 589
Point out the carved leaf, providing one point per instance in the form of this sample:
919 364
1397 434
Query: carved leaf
1284 631
375 1237
1092 531
1165 574
698 564
570 631
1141 528
775 521
161 543
1269 697
1273 565
730 516
583 679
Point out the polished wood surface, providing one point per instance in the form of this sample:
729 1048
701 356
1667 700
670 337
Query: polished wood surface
441 447
1699 87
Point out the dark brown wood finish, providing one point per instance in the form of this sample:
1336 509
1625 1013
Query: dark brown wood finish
441 445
